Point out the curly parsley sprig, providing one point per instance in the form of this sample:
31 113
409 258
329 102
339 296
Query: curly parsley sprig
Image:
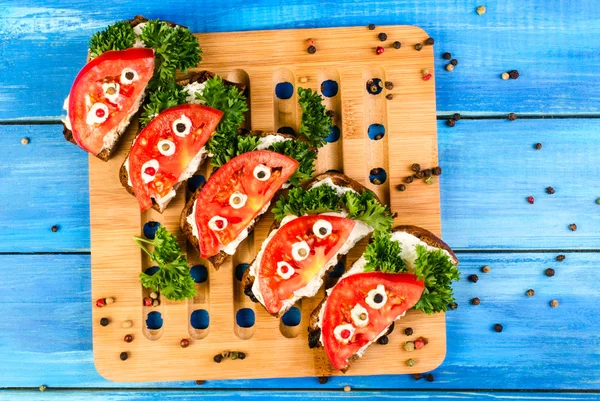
173 278
118 36
315 124
164 97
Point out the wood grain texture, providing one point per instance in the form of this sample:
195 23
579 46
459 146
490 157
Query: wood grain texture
557 63
116 262
490 167
538 341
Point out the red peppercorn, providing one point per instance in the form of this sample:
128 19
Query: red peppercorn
147 301
128 338
379 50
100 303
419 343
530 199
184 343
426 77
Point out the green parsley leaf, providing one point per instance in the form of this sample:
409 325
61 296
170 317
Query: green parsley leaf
118 36
164 97
383 255
300 201
315 124
300 151
173 278
366 208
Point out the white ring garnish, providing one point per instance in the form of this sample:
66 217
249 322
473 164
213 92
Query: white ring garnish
322 228
111 91
217 223
149 177
285 270
360 316
300 251
237 200
370 299
182 126
127 78
92 116
166 147
262 172
337 332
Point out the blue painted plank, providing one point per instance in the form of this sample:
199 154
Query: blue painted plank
45 330
490 167
50 395
554 46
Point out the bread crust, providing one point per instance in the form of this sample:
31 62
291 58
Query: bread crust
427 237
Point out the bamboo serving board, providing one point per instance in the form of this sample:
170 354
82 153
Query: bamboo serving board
261 60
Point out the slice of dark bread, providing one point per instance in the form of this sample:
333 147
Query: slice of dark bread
338 179
314 331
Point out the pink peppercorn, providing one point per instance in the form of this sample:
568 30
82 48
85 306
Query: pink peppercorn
379 50
426 77
530 200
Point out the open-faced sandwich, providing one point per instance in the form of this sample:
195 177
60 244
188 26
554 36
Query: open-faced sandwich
126 60
314 228
409 268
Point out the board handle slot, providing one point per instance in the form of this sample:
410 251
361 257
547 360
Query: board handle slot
240 76
290 324
244 312
331 156
375 140
285 106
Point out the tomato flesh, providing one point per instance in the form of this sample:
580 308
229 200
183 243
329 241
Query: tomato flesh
87 91
155 142
403 292
237 175
276 288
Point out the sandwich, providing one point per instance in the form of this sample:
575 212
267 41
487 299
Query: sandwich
314 228
127 59
409 268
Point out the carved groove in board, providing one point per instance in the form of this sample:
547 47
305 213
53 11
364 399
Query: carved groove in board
150 215
376 113
244 254
241 77
292 331
284 110
331 155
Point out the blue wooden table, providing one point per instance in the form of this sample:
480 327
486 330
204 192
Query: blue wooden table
490 168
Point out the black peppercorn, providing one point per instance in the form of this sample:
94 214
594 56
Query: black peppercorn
429 41
418 47
383 340
436 170
456 116
416 167
389 96
409 179
498 328
447 56
429 377
241 355
401 187
549 272
454 62
382 36
371 27
311 50
323 379
473 278
475 301
408 331
104 322
451 122
200 382
417 376
396 45
530 292
427 173
550 191
560 258
218 358
573 227
512 116
538 146
389 85
513 74
453 305
331 113
419 175
54 229
124 356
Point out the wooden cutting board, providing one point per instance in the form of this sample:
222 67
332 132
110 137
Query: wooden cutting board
262 60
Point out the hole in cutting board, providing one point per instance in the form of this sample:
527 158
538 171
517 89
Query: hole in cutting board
329 88
331 156
200 319
154 321
334 134
151 270
240 269
199 273
377 176
284 100
150 229
292 317
194 182
374 86
289 324
376 131
286 130
245 317
284 90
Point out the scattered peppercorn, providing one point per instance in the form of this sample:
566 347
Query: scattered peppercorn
411 362
512 116
436 170
401 187
475 301
234 355
408 331
100 303
449 67
309 42
550 272
427 77
383 340
217 358
347 389
418 47
126 324
156 303
598 201
481 10
417 376
427 172
573 227
498 328
389 85
429 377
373 88
451 122
389 96
456 116
453 305
241 355
371 27
550 191
429 180
124 356
486 269
454 62
538 146
420 343
530 292
128 338
323 379
429 41
184 343
25 141
147 301
419 175
409 346
225 354
200 382
416 167
379 50
473 278
409 179
104 322
42 388
382 36
109 300
514 74
311 50
54 229
560 258
531 200
505 76
331 113
447 56
554 303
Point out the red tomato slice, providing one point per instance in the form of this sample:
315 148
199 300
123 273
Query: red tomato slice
238 175
165 148
274 283
402 291
93 112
